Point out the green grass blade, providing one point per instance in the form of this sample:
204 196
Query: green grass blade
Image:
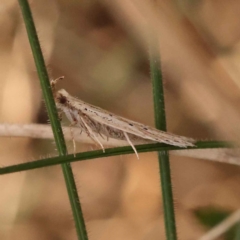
43 76
53 116
237 233
108 153
163 158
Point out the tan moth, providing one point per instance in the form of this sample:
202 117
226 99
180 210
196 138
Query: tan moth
99 123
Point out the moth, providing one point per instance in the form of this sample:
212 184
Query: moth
98 123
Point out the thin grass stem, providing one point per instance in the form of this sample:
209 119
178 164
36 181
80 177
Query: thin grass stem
46 162
53 116
163 157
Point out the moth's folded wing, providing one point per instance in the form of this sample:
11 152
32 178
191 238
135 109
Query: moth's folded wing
138 129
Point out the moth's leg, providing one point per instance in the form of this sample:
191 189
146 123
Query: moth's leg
73 123
95 126
91 133
60 114
100 135
81 131
105 131
74 143
95 139
134 149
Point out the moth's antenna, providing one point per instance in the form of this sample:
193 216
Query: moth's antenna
53 83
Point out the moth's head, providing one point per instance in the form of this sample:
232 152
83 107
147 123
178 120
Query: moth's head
61 98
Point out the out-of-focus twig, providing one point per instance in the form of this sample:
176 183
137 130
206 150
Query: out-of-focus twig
43 131
222 227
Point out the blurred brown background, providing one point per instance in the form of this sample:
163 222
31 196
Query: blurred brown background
101 49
